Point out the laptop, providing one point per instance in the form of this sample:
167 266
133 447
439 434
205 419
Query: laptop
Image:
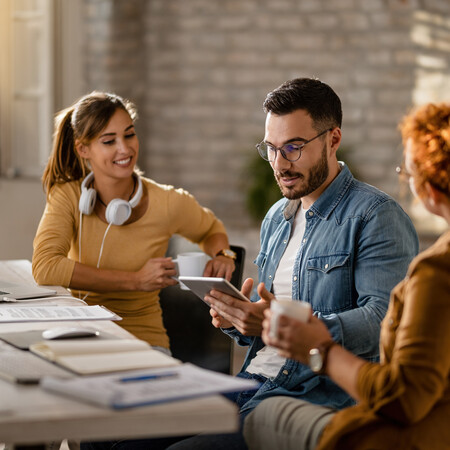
11 292
22 367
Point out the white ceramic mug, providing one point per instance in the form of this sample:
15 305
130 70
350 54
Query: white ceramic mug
190 264
297 309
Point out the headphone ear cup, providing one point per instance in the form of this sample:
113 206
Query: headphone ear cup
118 211
87 201
137 197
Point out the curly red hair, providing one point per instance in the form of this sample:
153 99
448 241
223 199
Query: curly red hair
429 129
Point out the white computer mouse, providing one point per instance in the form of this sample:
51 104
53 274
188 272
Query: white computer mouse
69 332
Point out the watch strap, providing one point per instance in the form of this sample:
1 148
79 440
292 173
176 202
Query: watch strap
227 253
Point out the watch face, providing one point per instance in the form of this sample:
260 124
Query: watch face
228 253
315 360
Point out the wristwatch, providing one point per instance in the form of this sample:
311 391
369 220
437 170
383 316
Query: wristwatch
228 253
318 357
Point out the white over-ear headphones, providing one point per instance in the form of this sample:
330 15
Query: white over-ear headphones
118 210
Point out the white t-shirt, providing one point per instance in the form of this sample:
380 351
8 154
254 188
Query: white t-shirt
267 361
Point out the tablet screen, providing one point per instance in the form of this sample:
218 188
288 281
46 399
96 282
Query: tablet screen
201 286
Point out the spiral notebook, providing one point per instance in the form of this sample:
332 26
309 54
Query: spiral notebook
147 387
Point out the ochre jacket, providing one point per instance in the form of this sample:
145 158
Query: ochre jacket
406 398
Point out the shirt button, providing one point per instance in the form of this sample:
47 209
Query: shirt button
304 240
310 213
285 372
326 266
270 277
285 242
295 278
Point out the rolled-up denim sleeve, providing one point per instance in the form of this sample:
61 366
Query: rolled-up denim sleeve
386 245
237 336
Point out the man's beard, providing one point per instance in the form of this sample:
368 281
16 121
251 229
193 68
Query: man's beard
316 177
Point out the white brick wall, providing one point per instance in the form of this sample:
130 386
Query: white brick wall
199 71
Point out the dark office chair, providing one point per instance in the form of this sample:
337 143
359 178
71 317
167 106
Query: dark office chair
188 323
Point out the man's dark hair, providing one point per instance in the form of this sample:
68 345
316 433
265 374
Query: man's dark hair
315 97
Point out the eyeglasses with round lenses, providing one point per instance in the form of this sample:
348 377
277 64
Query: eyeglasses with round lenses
291 152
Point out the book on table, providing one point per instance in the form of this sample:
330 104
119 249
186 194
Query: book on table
94 357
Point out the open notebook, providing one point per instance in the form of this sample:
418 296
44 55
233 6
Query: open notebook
10 292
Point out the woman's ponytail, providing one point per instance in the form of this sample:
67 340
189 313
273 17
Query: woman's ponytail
64 163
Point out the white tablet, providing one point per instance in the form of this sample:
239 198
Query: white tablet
202 285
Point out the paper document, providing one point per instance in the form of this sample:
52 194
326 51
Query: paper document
148 387
12 313
102 356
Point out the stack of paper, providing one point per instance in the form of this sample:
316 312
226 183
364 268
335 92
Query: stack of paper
43 313
147 387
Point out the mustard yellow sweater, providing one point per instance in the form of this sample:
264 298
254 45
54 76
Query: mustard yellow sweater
127 247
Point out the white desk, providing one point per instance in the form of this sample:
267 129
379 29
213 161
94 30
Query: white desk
29 415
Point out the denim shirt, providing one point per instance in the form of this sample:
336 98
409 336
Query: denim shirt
357 246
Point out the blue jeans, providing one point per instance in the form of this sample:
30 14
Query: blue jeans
228 441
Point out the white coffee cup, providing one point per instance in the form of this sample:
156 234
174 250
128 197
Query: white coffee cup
190 264
297 309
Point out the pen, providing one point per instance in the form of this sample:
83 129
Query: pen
155 376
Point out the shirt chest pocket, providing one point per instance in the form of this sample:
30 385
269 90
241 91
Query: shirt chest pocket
329 282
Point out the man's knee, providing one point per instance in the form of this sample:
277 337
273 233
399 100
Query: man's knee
283 422
259 424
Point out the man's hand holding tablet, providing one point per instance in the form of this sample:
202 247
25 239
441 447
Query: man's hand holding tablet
201 286
234 310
